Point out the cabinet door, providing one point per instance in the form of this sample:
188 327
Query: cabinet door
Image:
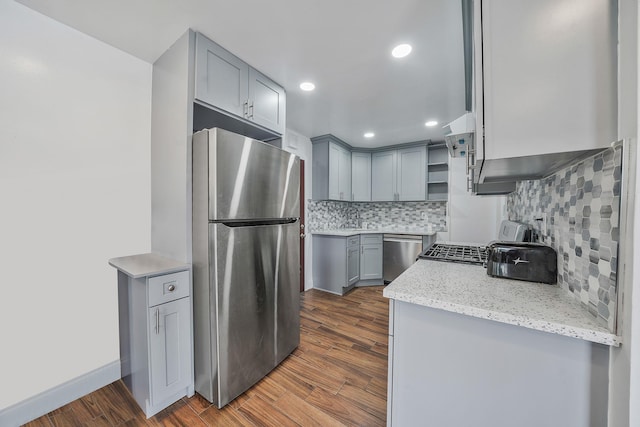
170 351
353 265
345 175
266 102
565 70
412 176
335 153
221 78
371 261
361 177
383 176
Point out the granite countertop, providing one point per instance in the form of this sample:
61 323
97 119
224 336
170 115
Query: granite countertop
467 289
387 230
150 264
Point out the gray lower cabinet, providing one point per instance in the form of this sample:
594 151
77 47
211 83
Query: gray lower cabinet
336 263
371 259
226 82
502 375
353 264
156 340
169 348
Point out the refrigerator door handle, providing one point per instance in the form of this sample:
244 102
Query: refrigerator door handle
256 223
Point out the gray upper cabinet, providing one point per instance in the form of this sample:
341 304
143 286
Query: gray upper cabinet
267 101
383 175
227 83
399 175
360 177
221 77
412 164
331 169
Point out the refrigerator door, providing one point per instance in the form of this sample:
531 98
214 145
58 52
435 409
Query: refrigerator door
257 300
250 179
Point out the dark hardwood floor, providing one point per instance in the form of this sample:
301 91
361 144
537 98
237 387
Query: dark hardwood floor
337 376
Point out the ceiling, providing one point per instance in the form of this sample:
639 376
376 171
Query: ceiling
343 46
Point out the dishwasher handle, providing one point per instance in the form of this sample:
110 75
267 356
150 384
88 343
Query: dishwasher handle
401 238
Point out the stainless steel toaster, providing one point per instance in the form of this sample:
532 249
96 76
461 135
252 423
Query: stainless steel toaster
533 262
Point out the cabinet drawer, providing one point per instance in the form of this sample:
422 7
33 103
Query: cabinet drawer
370 239
168 287
353 241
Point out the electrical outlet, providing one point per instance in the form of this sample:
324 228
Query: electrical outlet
424 216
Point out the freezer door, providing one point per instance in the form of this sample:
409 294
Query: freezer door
256 283
251 179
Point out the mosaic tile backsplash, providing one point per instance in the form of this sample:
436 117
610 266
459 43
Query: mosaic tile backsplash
328 214
582 203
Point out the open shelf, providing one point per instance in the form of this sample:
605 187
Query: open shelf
437 173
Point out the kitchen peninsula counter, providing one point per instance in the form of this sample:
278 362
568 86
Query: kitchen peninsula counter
346 232
502 352
467 289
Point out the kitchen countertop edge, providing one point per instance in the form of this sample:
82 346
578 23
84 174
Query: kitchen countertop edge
345 232
580 332
148 264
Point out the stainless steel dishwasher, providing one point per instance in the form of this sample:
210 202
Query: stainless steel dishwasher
399 251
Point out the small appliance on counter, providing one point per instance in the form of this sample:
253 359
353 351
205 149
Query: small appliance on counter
533 262
512 231
510 256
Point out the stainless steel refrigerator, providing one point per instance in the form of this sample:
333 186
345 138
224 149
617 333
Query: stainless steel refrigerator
246 256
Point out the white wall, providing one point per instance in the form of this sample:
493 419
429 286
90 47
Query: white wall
624 372
470 218
300 145
75 191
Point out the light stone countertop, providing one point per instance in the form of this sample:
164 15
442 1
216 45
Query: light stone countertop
467 289
150 264
354 231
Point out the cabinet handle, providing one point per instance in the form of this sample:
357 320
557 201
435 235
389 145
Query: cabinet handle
251 109
157 321
171 288
245 109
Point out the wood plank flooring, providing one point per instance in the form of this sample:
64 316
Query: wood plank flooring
336 377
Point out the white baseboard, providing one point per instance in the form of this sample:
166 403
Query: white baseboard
45 402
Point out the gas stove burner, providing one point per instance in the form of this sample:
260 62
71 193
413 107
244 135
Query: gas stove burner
467 254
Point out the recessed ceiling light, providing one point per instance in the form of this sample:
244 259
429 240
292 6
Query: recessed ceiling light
369 135
401 50
431 123
307 86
